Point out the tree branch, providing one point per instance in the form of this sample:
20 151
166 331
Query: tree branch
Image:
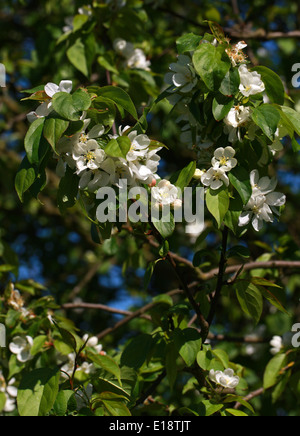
273 264
134 315
238 32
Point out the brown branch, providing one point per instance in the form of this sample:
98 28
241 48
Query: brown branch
135 314
93 306
238 340
273 264
238 32
250 397
86 279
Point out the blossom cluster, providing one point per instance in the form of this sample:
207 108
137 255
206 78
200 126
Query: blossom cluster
135 58
84 152
35 331
185 86
222 163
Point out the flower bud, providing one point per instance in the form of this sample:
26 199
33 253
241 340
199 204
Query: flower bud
198 174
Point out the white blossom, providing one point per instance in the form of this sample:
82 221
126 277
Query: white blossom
222 163
183 74
138 60
10 392
88 155
251 82
280 134
21 348
165 194
67 369
65 86
226 379
93 342
46 107
224 159
263 204
238 117
215 178
276 344
135 58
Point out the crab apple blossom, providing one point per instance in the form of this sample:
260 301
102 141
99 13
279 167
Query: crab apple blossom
183 75
224 159
165 194
46 107
263 204
251 83
215 178
21 346
226 379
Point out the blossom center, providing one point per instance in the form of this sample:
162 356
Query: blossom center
224 160
84 138
90 156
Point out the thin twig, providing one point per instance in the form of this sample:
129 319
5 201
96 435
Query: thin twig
134 315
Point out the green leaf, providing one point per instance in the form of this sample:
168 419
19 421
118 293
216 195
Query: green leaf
208 408
37 392
119 147
107 363
70 107
186 176
33 139
250 299
103 112
212 64
63 398
237 399
79 21
68 190
274 86
25 178
78 55
222 106
120 98
239 178
239 251
54 129
231 219
217 31
188 344
136 352
267 117
171 366
165 229
276 297
2 401
222 356
38 344
235 412
218 204
231 83
188 42
272 371
204 359
113 403
292 118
